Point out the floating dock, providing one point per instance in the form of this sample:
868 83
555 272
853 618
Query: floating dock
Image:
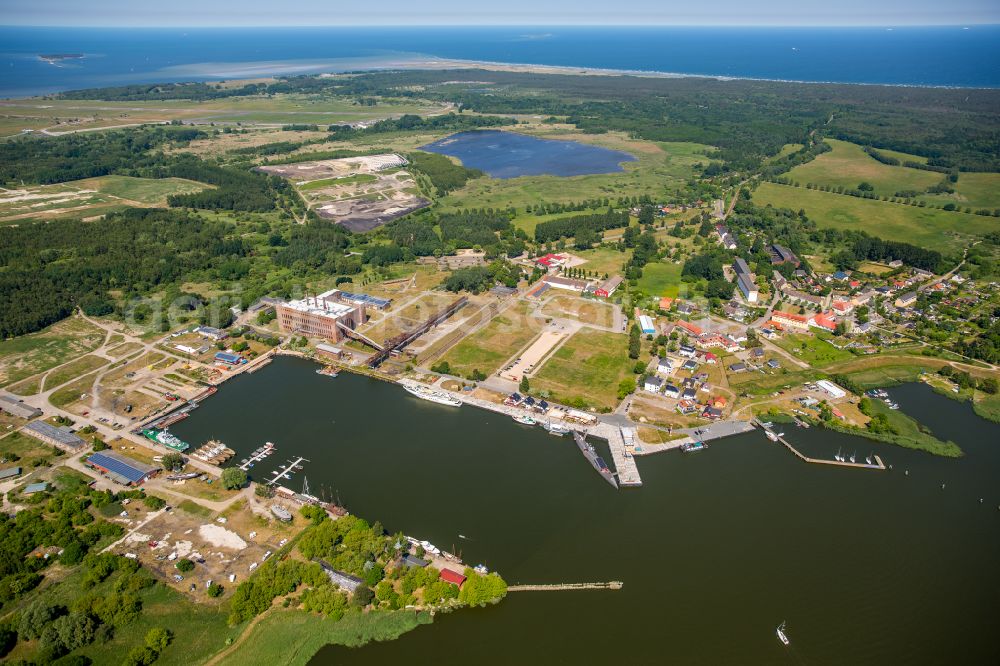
257 456
878 464
286 471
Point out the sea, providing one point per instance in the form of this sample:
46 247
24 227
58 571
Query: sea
959 56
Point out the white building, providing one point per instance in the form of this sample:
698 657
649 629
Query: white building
831 388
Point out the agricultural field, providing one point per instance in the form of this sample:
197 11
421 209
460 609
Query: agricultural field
939 229
847 165
657 166
586 370
491 346
89 197
586 310
29 355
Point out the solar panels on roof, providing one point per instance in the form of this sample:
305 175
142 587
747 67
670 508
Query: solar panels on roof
134 472
365 298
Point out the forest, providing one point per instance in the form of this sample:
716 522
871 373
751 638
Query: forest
46 270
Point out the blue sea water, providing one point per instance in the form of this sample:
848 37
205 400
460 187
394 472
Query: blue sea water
509 155
938 56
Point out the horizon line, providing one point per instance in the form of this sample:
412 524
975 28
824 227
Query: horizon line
967 24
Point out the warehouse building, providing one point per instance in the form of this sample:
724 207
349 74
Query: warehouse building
15 407
323 316
121 469
59 437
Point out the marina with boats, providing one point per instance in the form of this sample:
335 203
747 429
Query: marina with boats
213 452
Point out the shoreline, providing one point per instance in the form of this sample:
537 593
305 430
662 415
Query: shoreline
230 71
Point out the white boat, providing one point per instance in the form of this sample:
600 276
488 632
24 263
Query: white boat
868 459
771 436
430 548
556 429
853 456
838 457
426 393
782 636
524 419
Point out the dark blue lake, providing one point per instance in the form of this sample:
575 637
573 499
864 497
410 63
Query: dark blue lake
509 155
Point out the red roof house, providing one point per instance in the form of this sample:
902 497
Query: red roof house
450 576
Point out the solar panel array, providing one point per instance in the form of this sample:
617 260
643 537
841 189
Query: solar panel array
120 467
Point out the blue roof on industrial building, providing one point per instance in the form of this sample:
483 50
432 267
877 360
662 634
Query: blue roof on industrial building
365 298
228 358
134 472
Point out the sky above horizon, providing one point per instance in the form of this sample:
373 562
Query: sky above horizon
244 13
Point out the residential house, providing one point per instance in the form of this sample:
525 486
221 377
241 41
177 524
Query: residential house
653 384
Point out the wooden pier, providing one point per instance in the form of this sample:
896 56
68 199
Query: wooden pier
557 587
255 458
878 464
285 472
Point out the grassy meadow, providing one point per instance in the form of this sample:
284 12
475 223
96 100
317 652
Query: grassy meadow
847 165
490 347
939 229
586 370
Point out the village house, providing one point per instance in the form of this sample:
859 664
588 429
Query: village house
653 384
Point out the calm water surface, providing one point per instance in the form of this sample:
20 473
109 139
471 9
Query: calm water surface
941 56
715 549
509 155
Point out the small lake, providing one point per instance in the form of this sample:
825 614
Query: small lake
509 155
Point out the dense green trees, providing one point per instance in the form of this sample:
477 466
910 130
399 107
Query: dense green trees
233 478
480 590
590 225
444 174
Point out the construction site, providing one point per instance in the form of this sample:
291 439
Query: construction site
359 193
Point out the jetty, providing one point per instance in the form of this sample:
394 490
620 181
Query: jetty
621 453
878 464
257 456
286 471
557 587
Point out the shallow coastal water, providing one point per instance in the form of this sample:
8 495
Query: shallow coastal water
715 549
509 155
936 56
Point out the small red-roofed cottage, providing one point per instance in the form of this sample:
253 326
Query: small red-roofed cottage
449 576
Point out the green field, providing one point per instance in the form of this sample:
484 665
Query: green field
586 370
602 260
491 346
814 350
657 165
72 370
911 434
973 190
357 178
847 165
292 637
72 392
661 279
89 197
28 449
29 355
199 630
937 229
